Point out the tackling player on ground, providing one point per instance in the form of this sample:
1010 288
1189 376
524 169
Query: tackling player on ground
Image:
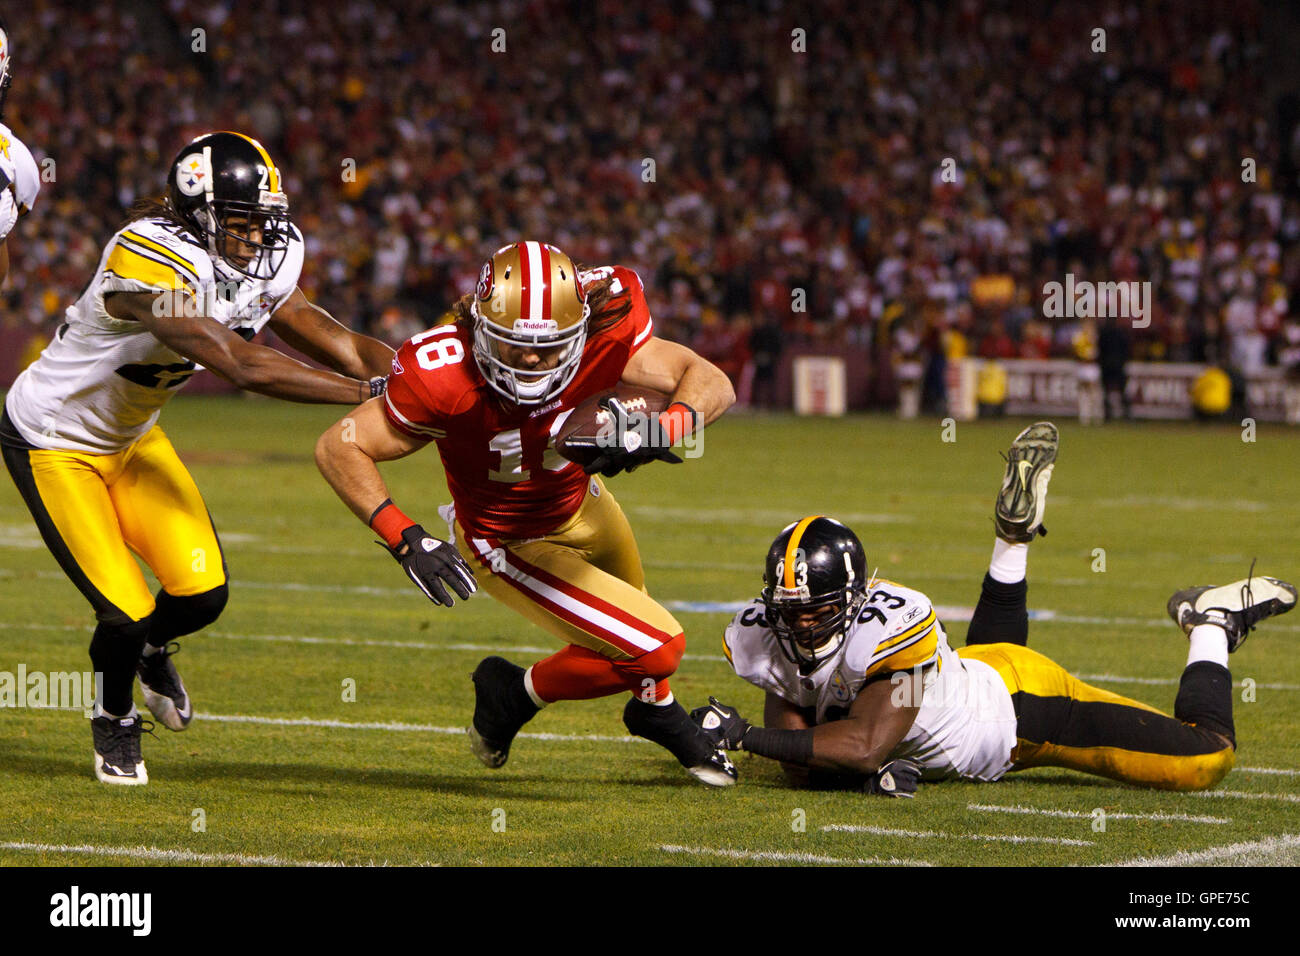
20 180
188 282
862 686
493 390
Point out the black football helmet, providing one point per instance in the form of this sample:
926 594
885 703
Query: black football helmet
224 178
815 581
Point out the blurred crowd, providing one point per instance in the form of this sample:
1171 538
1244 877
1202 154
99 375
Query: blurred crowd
778 178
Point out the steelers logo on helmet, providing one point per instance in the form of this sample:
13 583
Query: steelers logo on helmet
815 582
191 176
530 322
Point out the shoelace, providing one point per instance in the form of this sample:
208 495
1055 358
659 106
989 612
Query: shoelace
1248 599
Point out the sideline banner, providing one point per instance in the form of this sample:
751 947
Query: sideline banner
1155 389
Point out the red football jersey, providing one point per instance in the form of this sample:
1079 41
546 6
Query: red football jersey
503 470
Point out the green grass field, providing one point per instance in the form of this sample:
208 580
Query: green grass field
284 769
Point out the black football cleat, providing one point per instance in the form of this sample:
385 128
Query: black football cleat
672 728
1018 512
501 707
164 693
117 749
1235 607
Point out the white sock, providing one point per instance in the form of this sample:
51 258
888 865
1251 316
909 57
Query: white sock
665 701
150 650
1009 561
532 692
1208 642
101 712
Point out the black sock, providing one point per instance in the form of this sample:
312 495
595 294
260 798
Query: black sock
114 651
1205 698
1001 616
177 616
671 728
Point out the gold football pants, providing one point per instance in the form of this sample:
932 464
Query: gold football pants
1063 722
583 582
95 510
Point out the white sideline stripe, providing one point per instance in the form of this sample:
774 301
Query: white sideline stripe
1217 853
779 856
169 856
939 834
1081 815
396 726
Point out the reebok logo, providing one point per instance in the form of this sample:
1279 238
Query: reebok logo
75 909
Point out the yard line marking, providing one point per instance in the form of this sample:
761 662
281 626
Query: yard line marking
939 834
170 856
1273 770
1217 853
756 517
1081 815
1243 795
531 649
779 856
397 727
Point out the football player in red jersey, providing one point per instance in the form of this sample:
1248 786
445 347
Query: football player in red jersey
493 389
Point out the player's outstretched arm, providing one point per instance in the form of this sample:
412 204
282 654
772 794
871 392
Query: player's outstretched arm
347 454
677 371
314 332
861 743
251 367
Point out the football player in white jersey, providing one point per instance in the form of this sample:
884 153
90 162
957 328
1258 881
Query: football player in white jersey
862 685
187 283
20 180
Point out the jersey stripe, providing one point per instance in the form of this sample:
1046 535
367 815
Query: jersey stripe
404 423
914 630
567 602
644 333
921 649
148 244
793 546
136 266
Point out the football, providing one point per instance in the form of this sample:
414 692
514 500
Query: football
580 439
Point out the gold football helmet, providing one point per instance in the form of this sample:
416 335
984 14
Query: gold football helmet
528 297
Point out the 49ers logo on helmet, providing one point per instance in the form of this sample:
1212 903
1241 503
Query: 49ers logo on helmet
484 288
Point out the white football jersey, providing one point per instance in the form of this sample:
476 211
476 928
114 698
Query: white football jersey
966 725
102 381
20 180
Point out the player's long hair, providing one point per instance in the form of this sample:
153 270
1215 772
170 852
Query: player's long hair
607 309
153 209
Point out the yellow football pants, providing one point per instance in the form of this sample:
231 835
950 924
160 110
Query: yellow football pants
1063 722
95 510
582 582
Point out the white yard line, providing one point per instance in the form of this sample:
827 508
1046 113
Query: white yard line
1243 795
165 856
940 835
1084 815
1218 854
779 856
398 727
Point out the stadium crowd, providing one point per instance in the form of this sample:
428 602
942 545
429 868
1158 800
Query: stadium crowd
777 178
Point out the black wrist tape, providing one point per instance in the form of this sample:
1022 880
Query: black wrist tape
787 746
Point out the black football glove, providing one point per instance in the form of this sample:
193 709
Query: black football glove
636 439
432 563
723 725
898 778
